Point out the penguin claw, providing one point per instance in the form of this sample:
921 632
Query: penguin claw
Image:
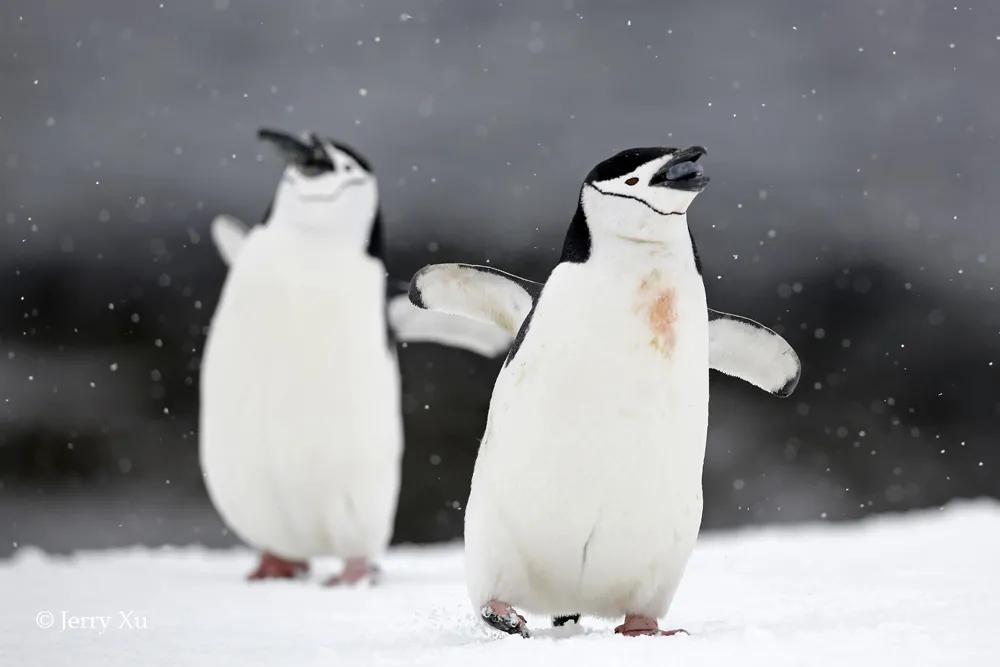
652 633
355 571
275 567
503 617
644 626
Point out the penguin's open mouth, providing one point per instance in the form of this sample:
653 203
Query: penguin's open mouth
330 196
682 172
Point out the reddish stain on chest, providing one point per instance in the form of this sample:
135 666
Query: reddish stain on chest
657 305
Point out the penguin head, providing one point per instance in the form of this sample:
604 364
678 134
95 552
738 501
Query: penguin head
326 186
640 192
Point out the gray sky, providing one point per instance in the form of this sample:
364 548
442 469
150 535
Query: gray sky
867 124
853 149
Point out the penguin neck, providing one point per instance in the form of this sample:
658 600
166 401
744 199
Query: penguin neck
672 249
314 226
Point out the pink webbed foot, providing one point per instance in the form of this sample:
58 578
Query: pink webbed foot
504 618
355 570
276 567
644 626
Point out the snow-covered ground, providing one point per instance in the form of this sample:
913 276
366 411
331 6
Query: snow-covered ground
916 589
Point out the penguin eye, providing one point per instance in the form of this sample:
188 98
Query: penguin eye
348 167
632 181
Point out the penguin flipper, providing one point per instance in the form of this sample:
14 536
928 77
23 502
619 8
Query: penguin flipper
229 235
745 349
478 292
415 325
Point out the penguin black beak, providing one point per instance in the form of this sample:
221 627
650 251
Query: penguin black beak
310 157
682 172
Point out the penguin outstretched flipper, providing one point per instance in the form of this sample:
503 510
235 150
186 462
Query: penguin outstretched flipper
229 235
745 349
478 292
414 325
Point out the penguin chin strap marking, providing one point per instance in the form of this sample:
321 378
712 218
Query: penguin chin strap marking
333 195
638 199
632 239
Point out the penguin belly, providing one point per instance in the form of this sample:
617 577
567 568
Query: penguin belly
300 422
586 495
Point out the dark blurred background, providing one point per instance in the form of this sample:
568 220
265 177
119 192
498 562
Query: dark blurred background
853 150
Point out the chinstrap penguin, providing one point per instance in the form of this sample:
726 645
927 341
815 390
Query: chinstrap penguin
586 495
301 434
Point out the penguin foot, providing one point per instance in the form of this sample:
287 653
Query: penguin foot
559 621
276 567
355 571
640 626
504 618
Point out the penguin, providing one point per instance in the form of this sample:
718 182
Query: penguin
586 495
300 424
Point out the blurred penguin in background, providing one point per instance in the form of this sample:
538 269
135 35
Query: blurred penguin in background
301 429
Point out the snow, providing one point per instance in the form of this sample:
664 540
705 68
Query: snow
914 589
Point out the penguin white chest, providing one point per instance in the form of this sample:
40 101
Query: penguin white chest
300 427
587 490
